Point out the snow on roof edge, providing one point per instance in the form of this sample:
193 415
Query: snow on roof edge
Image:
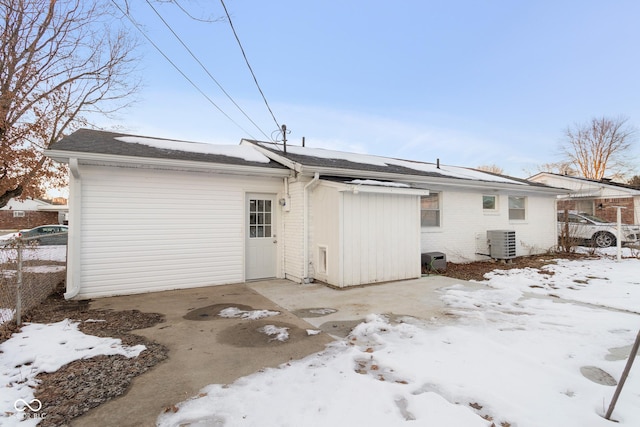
244 152
372 159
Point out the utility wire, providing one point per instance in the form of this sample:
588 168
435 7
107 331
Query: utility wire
135 24
203 67
248 65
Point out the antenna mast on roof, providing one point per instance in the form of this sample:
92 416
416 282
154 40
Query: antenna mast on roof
284 137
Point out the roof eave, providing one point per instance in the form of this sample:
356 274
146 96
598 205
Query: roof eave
63 156
431 180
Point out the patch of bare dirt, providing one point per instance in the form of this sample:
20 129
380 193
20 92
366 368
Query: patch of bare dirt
476 270
84 384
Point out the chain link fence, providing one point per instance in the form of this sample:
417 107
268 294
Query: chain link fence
29 273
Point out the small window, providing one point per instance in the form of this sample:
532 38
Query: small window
517 208
489 203
18 214
430 210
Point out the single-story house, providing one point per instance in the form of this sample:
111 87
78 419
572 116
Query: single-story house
29 213
149 214
595 197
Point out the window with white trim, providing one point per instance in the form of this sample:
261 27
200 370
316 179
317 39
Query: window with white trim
517 208
489 202
430 210
18 214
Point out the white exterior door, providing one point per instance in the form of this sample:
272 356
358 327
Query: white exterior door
261 236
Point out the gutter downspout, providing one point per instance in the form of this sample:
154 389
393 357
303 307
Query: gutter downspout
73 247
305 227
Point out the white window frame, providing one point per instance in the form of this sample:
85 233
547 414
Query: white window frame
523 209
495 203
438 210
19 214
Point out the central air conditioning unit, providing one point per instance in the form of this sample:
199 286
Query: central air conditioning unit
502 244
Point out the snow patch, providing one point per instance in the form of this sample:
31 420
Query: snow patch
243 152
280 334
233 312
46 348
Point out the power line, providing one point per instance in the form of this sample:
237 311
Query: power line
203 67
135 24
248 65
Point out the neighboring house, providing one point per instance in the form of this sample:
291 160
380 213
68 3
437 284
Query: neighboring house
150 214
29 213
594 197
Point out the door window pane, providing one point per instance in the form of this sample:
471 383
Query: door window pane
260 217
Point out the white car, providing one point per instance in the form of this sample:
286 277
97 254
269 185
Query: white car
7 239
597 231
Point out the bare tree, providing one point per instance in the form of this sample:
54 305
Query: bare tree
634 181
561 168
59 61
599 146
491 169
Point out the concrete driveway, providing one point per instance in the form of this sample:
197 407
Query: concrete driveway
205 348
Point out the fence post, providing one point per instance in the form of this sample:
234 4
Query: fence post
19 284
623 378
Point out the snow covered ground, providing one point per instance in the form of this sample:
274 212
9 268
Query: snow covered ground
44 348
40 253
514 355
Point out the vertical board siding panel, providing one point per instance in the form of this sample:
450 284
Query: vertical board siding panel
347 239
381 238
341 241
372 241
367 222
147 230
350 237
325 218
374 245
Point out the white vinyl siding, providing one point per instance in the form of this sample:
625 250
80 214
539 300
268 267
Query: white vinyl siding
148 230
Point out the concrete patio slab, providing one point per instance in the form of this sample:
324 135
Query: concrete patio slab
337 311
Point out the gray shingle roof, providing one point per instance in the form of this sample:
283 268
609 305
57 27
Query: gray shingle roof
102 142
296 156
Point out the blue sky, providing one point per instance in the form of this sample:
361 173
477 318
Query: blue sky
471 82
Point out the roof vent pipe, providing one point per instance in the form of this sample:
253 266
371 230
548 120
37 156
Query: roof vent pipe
303 141
438 163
